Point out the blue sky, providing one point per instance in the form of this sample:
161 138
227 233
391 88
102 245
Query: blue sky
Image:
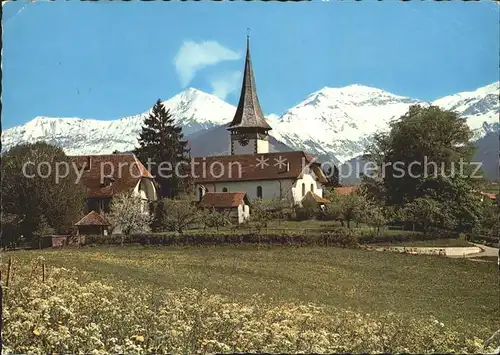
107 60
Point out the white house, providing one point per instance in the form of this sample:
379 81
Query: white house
251 168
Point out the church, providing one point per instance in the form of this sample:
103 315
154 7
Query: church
251 167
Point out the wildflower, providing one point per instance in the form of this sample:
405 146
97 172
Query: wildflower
138 338
36 332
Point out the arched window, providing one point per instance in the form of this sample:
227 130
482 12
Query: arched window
224 189
259 191
312 187
303 189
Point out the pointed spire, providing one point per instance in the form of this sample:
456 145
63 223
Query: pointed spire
249 113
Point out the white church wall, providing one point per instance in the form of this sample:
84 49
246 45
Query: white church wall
270 188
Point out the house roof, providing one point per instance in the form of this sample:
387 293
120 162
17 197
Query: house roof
125 169
489 195
246 167
316 197
223 199
345 190
249 113
93 219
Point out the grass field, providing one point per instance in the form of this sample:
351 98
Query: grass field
461 294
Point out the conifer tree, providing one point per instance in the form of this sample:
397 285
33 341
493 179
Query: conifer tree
161 143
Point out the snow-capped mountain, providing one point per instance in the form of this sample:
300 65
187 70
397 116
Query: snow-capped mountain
193 109
481 107
340 120
333 122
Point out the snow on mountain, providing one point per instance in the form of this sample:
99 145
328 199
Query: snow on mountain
481 107
339 121
192 108
332 122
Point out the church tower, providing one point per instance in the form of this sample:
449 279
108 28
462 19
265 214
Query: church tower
249 129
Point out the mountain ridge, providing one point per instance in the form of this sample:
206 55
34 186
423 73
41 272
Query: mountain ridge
334 123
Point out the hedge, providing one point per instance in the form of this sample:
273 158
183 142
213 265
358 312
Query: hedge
342 237
339 236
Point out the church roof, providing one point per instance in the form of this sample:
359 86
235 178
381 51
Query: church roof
223 199
248 113
254 167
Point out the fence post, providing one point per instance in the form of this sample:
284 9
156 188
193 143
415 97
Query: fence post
8 272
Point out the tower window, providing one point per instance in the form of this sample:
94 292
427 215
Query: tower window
312 187
303 190
259 191
224 189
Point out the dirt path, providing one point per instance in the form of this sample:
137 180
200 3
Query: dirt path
486 251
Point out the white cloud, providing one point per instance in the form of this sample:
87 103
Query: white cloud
193 56
226 83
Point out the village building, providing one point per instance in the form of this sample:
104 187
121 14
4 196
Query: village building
234 205
251 167
488 195
92 224
105 176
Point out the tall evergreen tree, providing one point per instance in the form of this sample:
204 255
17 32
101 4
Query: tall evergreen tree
161 147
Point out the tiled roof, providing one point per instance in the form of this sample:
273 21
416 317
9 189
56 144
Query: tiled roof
247 167
223 199
316 197
93 219
126 170
249 113
489 195
345 190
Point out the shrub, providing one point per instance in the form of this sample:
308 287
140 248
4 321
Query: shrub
342 237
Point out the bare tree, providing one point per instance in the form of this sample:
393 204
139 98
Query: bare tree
179 213
214 219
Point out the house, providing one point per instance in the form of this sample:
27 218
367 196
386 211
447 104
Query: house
316 199
345 190
234 204
251 168
489 195
92 224
105 176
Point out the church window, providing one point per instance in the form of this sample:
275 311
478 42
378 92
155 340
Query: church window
312 187
224 189
259 191
303 190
